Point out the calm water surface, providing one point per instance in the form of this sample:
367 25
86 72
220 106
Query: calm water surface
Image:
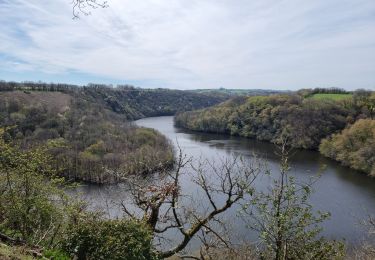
348 195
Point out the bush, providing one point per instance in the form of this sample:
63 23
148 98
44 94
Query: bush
30 198
109 239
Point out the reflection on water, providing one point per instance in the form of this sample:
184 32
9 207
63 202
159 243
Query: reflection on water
348 195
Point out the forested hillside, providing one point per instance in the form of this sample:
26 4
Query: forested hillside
354 146
88 141
133 102
305 118
87 129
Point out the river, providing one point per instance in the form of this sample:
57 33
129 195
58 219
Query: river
348 195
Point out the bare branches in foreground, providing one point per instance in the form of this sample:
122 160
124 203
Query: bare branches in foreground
83 6
195 211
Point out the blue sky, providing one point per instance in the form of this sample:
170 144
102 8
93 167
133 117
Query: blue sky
289 44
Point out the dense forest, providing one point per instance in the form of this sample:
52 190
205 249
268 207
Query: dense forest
88 142
306 117
87 129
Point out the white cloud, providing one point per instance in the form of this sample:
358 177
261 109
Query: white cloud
195 44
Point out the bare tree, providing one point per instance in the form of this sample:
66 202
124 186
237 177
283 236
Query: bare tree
164 206
84 6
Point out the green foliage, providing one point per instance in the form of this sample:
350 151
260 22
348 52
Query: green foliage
335 97
35 209
267 118
354 146
56 254
90 238
30 200
287 226
322 92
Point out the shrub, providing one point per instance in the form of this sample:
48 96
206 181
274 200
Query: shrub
109 239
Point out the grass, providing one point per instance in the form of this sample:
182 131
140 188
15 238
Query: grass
335 97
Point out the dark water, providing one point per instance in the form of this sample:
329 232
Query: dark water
348 195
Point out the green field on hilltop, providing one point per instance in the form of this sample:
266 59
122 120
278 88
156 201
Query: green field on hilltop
331 96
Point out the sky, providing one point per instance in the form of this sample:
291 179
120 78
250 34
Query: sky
190 44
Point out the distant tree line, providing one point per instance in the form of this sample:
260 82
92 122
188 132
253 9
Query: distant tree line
133 102
332 90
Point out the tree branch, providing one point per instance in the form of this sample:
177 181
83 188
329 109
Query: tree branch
81 6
